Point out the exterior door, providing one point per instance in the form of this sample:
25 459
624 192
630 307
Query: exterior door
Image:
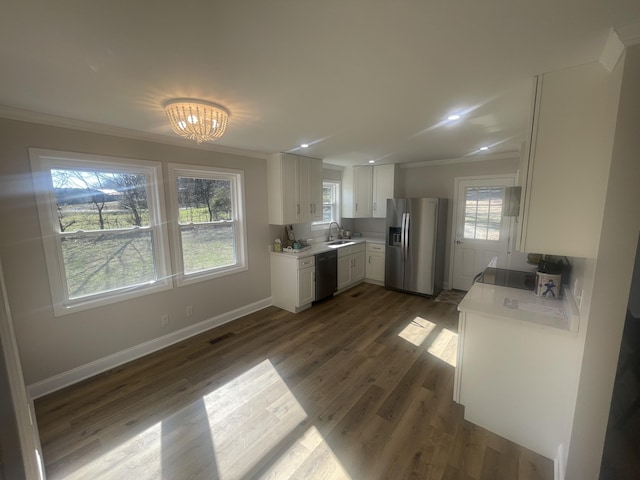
481 231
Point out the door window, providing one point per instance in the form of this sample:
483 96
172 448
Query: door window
483 213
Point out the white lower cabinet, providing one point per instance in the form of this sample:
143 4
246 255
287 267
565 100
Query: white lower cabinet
351 265
293 281
374 272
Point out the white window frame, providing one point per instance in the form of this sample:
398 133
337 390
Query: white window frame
42 162
238 212
321 224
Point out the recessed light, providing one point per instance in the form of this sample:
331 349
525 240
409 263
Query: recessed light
304 145
453 117
484 148
372 161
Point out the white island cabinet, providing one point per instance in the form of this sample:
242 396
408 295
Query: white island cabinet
517 365
293 282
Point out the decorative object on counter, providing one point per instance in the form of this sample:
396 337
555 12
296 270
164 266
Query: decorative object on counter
277 245
548 285
197 120
356 234
288 230
450 296
346 234
549 278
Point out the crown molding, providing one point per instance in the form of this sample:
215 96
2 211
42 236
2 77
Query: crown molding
12 113
469 159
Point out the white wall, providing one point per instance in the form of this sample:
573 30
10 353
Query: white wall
610 275
51 345
438 181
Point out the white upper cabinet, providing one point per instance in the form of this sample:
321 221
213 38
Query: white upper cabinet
365 189
383 188
295 189
566 164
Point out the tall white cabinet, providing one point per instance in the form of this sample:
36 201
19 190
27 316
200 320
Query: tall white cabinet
567 161
295 189
365 190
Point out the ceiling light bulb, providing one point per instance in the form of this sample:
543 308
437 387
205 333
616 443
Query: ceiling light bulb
484 148
304 145
372 161
453 117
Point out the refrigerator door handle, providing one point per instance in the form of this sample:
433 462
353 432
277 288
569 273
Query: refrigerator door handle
406 236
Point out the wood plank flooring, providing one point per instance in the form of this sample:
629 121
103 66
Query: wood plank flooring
357 387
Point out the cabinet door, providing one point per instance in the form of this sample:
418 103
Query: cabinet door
306 285
383 188
315 188
289 187
363 191
344 271
568 161
304 195
358 267
375 266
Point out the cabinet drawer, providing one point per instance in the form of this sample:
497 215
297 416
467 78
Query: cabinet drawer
375 247
306 262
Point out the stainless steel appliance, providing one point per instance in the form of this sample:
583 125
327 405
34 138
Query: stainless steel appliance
326 274
415 236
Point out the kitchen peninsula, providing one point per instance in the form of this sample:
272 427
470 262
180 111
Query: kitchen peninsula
516 364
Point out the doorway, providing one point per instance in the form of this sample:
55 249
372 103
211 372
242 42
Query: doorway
480 231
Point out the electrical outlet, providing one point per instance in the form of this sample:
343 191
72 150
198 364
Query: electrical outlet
189 311
164 319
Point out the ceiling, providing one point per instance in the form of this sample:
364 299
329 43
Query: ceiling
358 80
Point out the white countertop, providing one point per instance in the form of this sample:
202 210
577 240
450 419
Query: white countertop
320 247
522 305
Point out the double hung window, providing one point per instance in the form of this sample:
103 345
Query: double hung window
330 204
101 220
209 233
106 235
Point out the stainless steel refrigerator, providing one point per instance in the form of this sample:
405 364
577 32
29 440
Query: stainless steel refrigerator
415 238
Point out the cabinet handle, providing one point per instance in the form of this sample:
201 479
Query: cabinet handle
369 258
298 206
374 206
356 206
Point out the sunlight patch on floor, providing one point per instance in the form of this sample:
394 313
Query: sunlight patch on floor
444 346
417 331
309 457
139 456
252 424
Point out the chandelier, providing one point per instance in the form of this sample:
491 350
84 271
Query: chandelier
197 119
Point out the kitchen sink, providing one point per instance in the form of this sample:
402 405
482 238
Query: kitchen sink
340 243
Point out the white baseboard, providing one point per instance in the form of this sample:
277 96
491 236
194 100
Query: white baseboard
75 375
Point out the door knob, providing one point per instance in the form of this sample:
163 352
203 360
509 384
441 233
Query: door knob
459 242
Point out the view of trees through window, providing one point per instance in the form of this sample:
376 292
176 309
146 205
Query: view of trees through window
206 223
104 218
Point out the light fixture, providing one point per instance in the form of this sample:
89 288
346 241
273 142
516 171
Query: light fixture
197 120
372 161
484 148
304 145
453 117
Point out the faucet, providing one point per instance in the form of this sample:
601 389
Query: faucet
330 237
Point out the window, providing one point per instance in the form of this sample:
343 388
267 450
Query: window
330 204
101 221
208 209
483 213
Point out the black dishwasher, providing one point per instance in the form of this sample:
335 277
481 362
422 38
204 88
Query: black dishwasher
326 274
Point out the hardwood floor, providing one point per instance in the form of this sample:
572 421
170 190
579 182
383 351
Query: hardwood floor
357 387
